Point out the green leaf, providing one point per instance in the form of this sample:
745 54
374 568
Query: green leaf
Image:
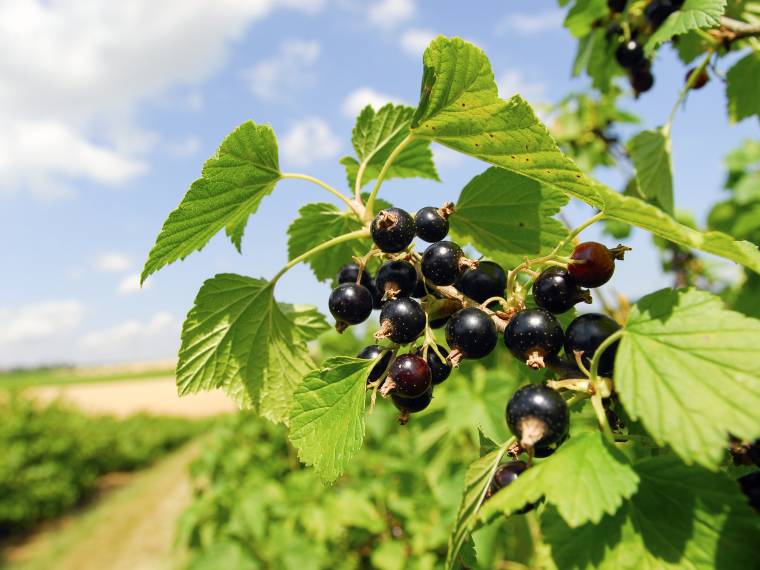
688 369
602 66
307 319
581 495
741 87
327 418
238 338
690 46
459 107
374 137
693 15
318 223
650 153
507 216
244 169
581 17
681 517
476 482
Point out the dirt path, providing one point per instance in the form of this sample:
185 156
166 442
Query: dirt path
158 396
132 528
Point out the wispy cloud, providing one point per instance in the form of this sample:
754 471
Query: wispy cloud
415 40
513 81
360 98
112 262
130 284
531 22
391 13
290 68
39 321
309 141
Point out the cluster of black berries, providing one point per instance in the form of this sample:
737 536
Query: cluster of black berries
630 52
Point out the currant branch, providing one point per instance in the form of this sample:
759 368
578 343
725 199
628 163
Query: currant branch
355 206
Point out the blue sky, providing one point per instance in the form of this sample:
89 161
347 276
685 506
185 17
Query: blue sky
108 115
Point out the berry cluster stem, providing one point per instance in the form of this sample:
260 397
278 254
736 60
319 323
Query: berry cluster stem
686 88
356 207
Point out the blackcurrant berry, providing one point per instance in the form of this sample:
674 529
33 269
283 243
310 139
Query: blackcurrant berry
538 416
392 230
642 79
396 279
616 5
593 264
432 224
534 336
378 370
350 304
506 474
658 11
443 262
753 452
411 376
471 333
377 296
439 369
412 405
699 81
349 273
557 291
629 54
401 320
750 485
487 280
586 333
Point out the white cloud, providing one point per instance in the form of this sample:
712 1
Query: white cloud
390 13
131 284
88 68
415 40
185 147
532 22
130 332
309 141
444 157
360 98
38 321
512 81
289 69
113 262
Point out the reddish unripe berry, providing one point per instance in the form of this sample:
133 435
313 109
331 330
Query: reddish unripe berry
593 263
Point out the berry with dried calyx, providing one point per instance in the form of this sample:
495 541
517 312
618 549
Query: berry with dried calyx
556 291
538 416
378 370
432 224
350 304
443 262
534 336
586 333
470 333
396 279
487 280
593 264
392 230
401 320
439 369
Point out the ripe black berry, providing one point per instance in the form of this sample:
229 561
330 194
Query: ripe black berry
350 304
349 273
487 280
534 335
439 369
750 485
401 320
594 264
537 416
699 81
412 405
411 376
431 224
506 474
629 54
396 279
471 333
616 5
586 333
442 263
557 291
658 11
392 230
378 370
642 79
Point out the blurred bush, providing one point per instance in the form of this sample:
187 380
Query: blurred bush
51 456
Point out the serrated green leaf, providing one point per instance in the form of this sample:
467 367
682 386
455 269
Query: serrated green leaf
317 223
307 319
327 417
693 15
690 46
650 153
476 482
374 137
585 479
235 231
487 445
236 337
507 216
244 169
602 66
688 369
741 87
581 17
681 517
